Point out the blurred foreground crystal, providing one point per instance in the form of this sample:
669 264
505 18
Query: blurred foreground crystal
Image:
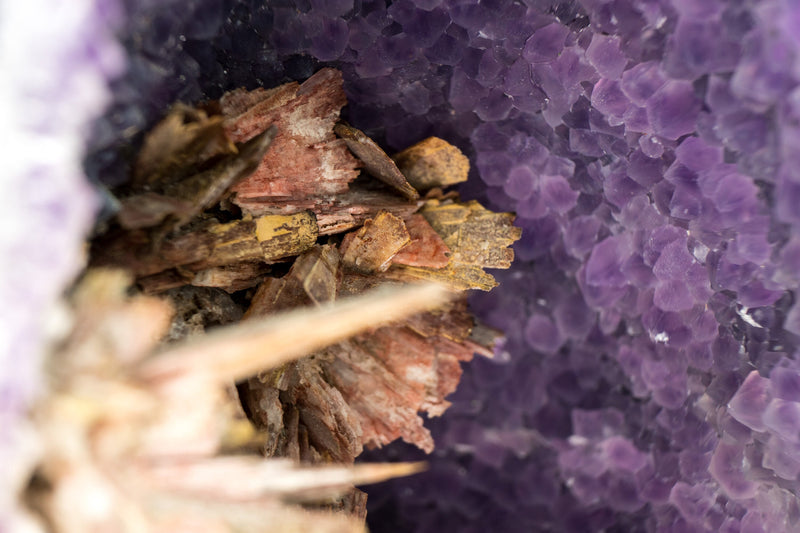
141 437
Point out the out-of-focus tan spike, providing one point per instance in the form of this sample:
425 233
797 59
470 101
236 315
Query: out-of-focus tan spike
239 351
242 478
184 515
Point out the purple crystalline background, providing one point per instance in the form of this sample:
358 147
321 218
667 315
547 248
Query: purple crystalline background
649 380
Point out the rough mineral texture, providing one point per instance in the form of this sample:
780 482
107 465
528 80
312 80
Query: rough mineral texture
183 230
304 116
366 391
375 160
433 162
372 247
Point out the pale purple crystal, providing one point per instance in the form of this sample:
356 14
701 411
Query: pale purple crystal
750 401
57 60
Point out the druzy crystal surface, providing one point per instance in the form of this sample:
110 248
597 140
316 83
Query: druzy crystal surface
649 380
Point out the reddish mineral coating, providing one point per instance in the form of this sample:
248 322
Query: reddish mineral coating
386 406
379 381
426 249
306 158
391 374
428 365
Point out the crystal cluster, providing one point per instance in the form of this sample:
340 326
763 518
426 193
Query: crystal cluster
264 202
649 149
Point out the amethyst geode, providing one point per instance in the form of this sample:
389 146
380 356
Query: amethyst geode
649 147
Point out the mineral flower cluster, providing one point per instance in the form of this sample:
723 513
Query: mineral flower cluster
272 204
253 203
649 150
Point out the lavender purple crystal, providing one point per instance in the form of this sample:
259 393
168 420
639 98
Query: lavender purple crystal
47 105
649 148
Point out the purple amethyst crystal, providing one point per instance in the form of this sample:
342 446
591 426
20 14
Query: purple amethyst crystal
47 105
